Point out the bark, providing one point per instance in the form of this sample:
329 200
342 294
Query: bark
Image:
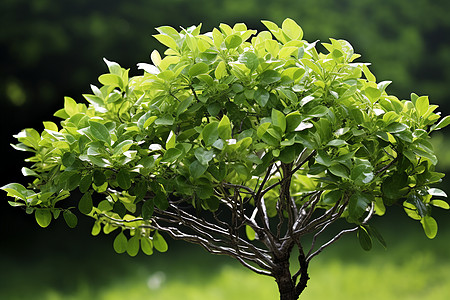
286 285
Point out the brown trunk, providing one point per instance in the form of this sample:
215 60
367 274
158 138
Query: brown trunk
286 286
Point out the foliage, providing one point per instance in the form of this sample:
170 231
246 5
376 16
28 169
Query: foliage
408 39
242 142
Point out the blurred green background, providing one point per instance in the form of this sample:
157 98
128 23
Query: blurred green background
54 48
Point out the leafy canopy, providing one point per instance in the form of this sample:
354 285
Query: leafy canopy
216 112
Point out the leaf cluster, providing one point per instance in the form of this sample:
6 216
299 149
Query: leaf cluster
223 109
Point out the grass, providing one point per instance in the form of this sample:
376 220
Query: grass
47 269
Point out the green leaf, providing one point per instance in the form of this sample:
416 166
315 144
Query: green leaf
68 159
43 217
166 40
373 94
171 155
332 197
210 133
362 173
292 29
318 111
221 70
70 106
396 127
204 156
323 158
197 169
250 60
422 104
113 67
100 132
96 228
120 243
279 120
123 179
269 76
110 80
15 190
429 226
99 177
233 41
339 170
262 96
224 128
337 143
212 202
440 203
358 204
70 218
147 246
198 68
147 209
444 122
373 232
85 205
73 182
159 243
146 120
165 120
364 239
133 245
251 234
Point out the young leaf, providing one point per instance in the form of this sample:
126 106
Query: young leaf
70 218
170 143
422 104
279 120
210 133
445 121
198 68
147 245
159 243
120 243
166 40
43 217
292 29
15 190
251 234
133 245
224 128
233 41
430 226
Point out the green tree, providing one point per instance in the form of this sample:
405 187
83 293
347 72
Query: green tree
242 142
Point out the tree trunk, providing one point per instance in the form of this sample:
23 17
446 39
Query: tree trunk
286 286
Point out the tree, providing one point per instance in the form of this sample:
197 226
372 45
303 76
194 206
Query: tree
242 142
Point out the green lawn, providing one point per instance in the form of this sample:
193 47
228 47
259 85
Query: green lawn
411 268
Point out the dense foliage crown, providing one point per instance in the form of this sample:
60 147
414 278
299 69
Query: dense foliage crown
231 110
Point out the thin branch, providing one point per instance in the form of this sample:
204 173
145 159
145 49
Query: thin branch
340 234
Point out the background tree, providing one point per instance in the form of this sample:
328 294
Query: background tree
241 142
